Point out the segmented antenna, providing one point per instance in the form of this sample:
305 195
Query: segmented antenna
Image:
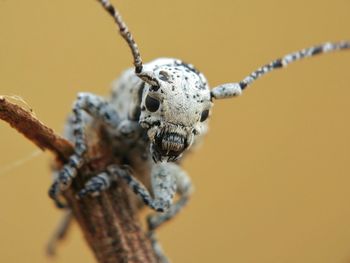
125 33
234 89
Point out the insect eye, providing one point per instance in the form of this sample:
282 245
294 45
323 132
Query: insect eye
163 75
152 104
204 115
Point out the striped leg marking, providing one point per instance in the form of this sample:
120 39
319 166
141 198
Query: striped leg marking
101 182
99 109
167 178
184 190
96 185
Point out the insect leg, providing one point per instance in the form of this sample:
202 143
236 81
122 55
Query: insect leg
167 178
96 107
60 233
157 248
97 185
183 189
164 188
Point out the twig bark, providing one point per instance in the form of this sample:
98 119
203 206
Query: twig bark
109 222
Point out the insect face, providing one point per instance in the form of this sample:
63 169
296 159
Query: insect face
175 107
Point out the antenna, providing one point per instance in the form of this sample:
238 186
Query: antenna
229 90
125 33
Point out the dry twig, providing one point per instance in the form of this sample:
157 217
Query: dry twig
109 222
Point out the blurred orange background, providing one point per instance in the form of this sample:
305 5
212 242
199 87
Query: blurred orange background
272 178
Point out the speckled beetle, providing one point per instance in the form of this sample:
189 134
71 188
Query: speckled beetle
160 108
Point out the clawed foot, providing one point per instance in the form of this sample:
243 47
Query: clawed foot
61 183
95 185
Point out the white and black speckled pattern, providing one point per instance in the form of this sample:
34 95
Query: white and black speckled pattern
234 89
156 112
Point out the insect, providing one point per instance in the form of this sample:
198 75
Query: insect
157 110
